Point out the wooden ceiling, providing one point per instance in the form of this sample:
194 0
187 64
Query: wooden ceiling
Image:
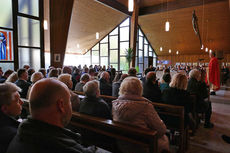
91 16
215 29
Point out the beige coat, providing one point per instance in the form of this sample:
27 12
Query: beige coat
140 112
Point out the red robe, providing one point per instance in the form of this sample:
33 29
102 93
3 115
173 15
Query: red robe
214 72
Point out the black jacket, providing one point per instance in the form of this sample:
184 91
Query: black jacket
8 129
116 87
39 137
105 87
151 91
96 107
178 97
24 86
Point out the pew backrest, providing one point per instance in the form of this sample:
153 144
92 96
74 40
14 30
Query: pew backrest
119 131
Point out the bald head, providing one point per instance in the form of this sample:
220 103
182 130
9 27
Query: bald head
50 102
45 92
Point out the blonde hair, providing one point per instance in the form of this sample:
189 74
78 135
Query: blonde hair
179 81
12 78
131 86
36 76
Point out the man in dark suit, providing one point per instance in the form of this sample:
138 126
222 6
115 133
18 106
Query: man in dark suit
10 107
22 82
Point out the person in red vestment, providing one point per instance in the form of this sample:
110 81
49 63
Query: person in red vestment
213 74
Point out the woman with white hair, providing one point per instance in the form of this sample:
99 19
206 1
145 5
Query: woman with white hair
67 79
132 108
195 88
34 78
177 95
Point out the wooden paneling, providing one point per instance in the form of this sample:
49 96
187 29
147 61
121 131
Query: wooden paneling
89 17
174 5
133 31
144 3
60 14
215 32
191 58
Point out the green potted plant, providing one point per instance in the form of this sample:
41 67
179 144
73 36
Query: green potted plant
129 55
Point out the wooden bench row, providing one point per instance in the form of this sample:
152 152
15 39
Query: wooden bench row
173 117
114 130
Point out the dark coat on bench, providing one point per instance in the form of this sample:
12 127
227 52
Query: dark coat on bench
8 129
39 137
96 107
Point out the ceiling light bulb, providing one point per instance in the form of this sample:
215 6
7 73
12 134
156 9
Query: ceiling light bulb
161 49
210 51
170 51
45 24
78 46
177 52
206 49
167 26
131 5
97 35
202 47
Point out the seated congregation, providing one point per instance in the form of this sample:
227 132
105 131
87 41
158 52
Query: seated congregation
54 94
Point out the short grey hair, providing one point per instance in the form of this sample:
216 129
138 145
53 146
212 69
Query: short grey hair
6 91
194 74
36 76
131 86
91 88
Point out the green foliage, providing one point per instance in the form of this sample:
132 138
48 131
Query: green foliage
129 55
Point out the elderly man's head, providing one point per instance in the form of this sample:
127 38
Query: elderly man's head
10 103
91 89
50 102
194 74
131 86
105 75
66 79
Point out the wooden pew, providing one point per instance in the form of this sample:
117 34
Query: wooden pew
173 117
115 130
166 112
112 129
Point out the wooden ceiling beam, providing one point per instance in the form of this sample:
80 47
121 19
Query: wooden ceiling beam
115 5
174 5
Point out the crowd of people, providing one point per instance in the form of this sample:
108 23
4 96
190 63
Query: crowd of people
52 101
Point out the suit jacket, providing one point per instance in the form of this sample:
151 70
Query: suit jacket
35 136
24 85
8 129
